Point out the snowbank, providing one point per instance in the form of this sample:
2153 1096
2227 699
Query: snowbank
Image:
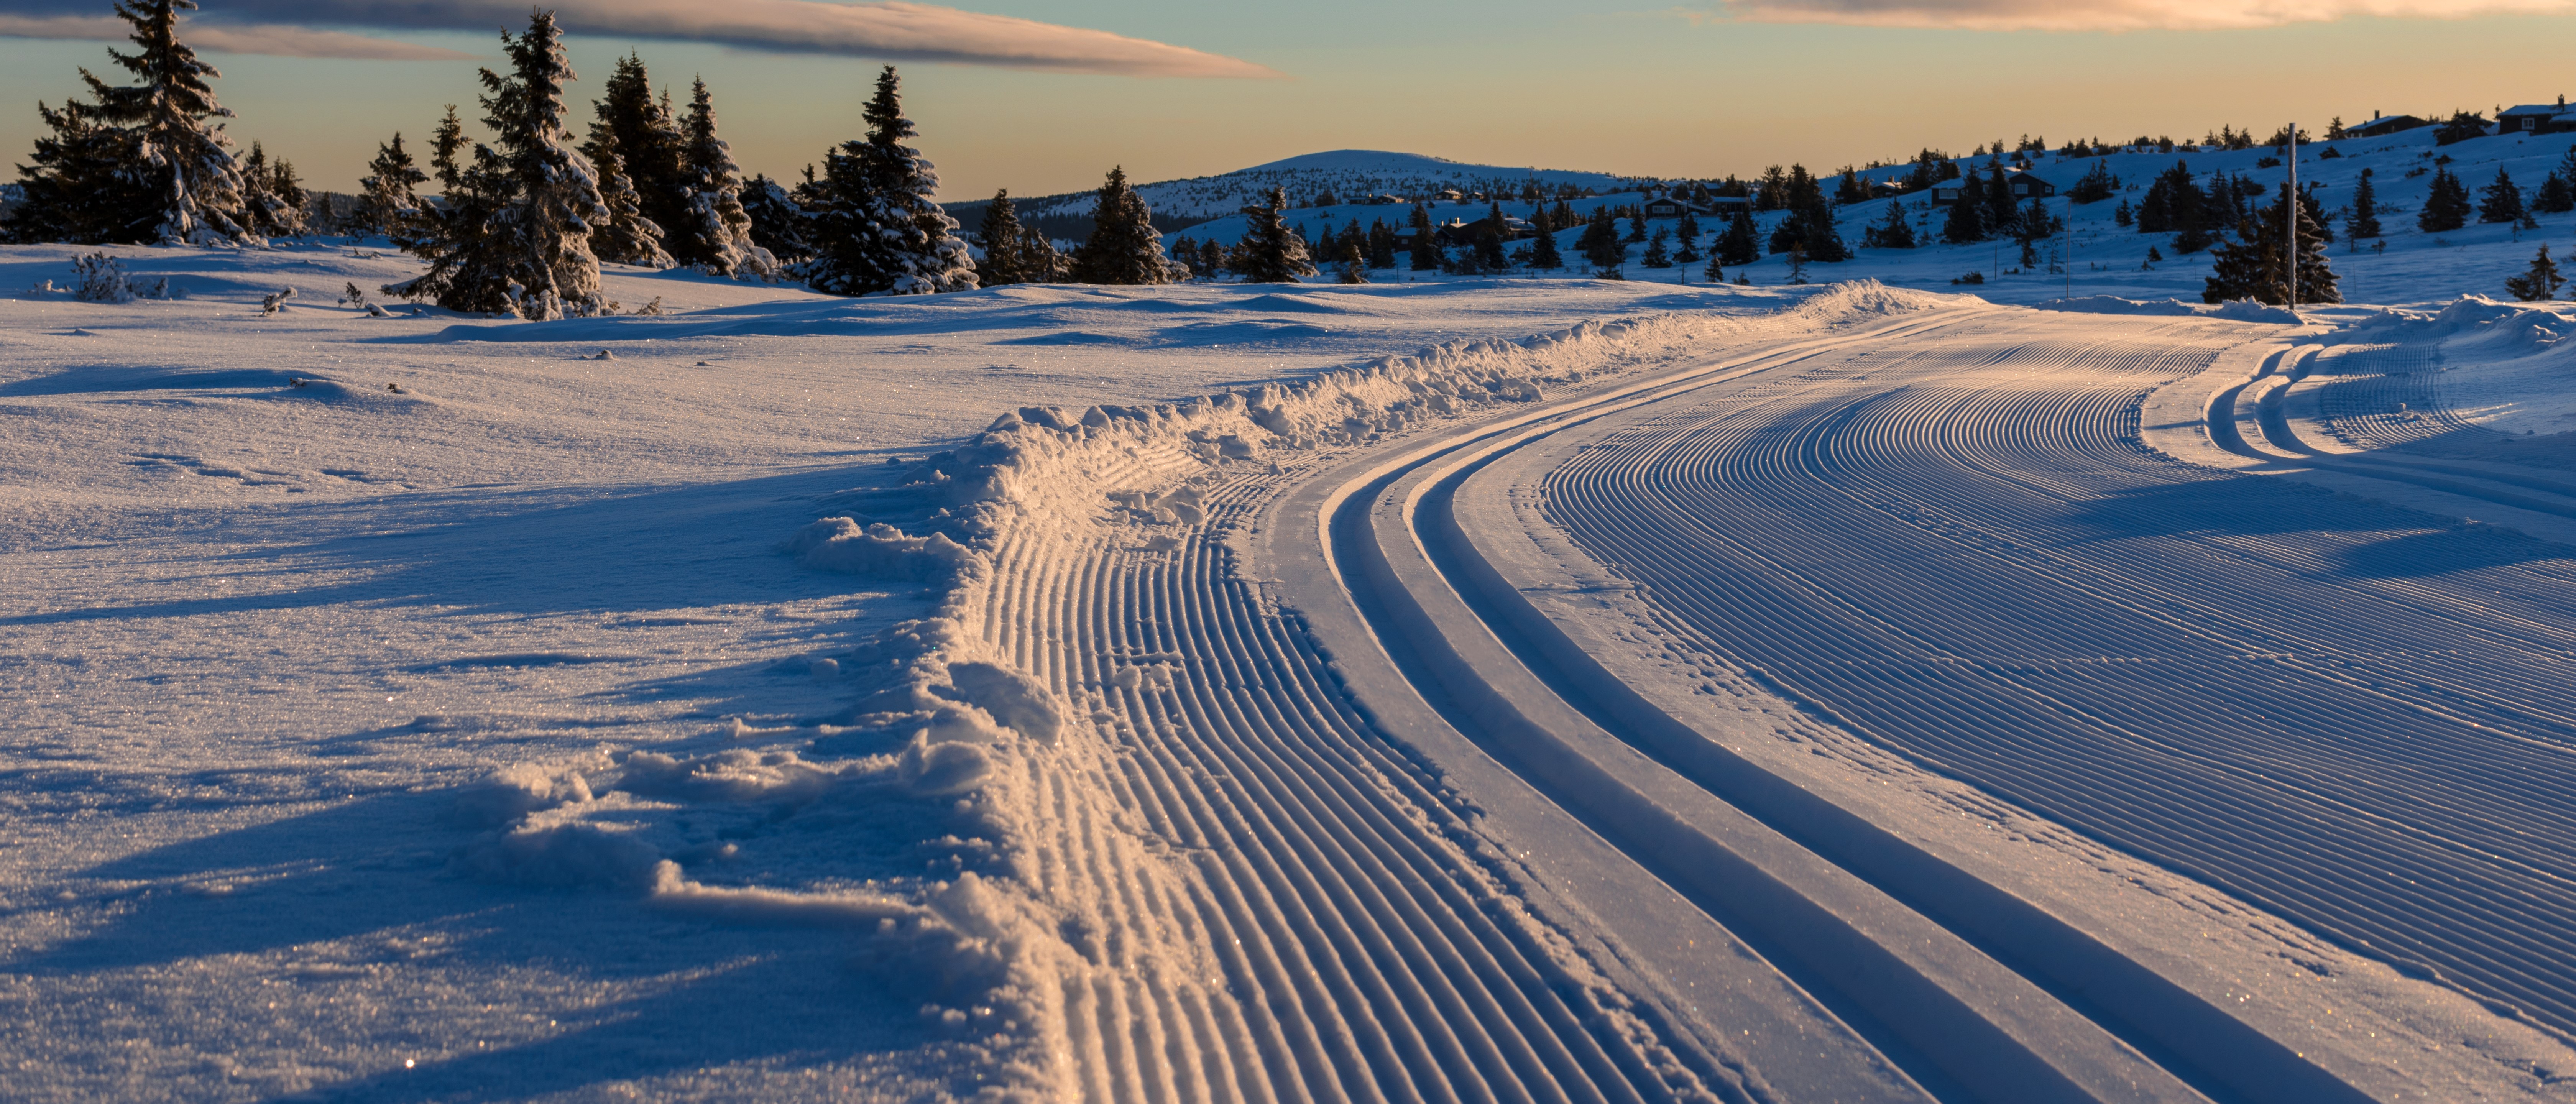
2113 304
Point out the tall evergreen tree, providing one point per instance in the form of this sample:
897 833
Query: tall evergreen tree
146 162
1381 244
2446 204
1489 241
1544 255
1600 243
1271 253
1000 236
2501 201
2253 266
1893 232
185 160
2361 217
77 189
2002 210
647 142
2555 195
716 238
1738 246
1124 247
386 203
625 236
2538 282
876 227
1656 255
1967 218
291 214
779 224
517 238
261 206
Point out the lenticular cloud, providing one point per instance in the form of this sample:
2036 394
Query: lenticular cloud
2118 15
887 29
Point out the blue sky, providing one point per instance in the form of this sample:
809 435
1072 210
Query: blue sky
1635 88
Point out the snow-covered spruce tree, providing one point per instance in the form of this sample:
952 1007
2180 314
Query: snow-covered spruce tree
1656 255
2501 201
2538 282
640 130
1124 248
2251 267
1967 220
1893 232
625 236
779 223
1544 255
139 163
1270 253
76 189
876 228
1354 264
1600 244
386 203
1000 236
2001 209
716 238
1042 263
294 211
2555 195
184 161
515 238
1739 246
2361 216
2446 204
273 200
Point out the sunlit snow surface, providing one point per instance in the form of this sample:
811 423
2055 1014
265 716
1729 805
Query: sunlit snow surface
255 637
727 704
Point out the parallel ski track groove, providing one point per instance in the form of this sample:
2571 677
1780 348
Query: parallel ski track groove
2362 755
1364 956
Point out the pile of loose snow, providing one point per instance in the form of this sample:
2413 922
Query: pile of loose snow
2503 365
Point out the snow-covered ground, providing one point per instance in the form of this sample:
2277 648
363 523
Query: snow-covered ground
2413 267
1450 689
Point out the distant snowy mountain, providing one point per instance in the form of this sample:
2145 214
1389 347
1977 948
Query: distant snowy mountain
1348 176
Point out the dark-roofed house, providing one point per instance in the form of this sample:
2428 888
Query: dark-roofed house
2021 182
2380 125
2535 119
1664 207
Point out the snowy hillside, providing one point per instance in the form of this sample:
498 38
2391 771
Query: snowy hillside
1356 176
2412 267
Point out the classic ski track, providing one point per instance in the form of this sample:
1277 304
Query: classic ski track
2383 781
1360 952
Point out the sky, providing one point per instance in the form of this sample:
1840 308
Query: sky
1043 96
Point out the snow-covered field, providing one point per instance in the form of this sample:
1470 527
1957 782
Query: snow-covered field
2412 267
1499 689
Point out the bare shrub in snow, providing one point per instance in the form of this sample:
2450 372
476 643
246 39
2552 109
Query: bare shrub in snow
102 280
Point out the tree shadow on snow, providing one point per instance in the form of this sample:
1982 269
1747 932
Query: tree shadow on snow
530 552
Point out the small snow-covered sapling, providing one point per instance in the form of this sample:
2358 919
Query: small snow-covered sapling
275 301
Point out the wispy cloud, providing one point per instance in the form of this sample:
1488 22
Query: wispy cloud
888 29
2105 15
232 38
